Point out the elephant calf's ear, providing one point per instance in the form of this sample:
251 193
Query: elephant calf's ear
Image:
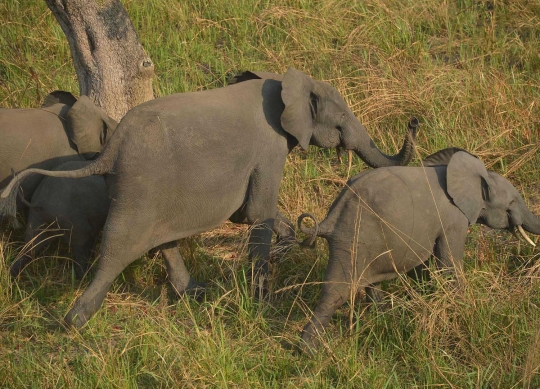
59 97
441 157
467 183
297 95
88 126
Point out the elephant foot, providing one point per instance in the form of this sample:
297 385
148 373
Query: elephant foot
18 266
259 287
77 317
309 343
196 290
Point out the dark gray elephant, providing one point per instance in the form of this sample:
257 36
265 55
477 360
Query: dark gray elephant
73 210
182 164
63 129
393 219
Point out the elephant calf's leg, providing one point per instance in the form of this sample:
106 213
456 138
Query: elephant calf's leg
81 257
333 296
36 243
176 269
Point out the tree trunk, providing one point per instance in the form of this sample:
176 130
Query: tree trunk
112 66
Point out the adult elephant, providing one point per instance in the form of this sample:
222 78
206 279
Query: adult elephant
63 129
182 164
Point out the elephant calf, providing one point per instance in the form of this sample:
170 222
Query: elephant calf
392 219
77 207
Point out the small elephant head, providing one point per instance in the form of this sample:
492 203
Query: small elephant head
484 196
315 113
88 126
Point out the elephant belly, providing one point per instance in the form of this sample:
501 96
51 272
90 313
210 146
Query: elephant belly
388 245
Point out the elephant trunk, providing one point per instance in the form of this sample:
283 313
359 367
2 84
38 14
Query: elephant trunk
531 222
371 155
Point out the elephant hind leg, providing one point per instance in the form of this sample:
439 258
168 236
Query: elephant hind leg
177 271
336 291
116 255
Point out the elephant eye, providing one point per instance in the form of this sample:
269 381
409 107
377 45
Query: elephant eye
313 102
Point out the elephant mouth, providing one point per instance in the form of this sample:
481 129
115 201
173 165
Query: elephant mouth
515 229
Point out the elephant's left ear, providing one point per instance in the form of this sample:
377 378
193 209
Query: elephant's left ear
468 184
59 97
89 127
300 106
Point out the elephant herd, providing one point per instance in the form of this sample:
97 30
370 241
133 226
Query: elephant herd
182 164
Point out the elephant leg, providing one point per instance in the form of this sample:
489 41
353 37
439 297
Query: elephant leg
92 298
284 230
176 269
121 245
448 252
81 258
374 294
37 241
335 291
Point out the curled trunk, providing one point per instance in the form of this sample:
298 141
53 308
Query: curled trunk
371 155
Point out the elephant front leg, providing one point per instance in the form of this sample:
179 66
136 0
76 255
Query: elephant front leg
448 252
259 254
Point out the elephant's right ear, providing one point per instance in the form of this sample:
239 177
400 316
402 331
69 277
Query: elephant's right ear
441 157
468 184
300 102
59 97
89 127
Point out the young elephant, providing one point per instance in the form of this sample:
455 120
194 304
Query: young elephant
77 208
63 129
392 219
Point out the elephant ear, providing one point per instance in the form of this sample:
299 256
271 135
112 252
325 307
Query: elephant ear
59 97
298 95
88 126
468 184
248 75
441 157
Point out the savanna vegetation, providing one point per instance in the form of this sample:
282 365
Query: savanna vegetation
468 69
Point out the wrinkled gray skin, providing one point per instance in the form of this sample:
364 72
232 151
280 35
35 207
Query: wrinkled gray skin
74 209
395 218
46 137
182 164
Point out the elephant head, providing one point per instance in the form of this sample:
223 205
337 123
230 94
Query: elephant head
315 113
484 196
88 126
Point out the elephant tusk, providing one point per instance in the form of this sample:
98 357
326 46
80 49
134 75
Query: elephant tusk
525 236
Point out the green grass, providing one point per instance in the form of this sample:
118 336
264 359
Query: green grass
470 70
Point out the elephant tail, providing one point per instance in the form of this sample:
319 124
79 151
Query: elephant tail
313 232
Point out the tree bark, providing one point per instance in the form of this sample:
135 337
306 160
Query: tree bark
111 64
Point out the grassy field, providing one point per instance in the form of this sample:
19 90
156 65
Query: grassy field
469 69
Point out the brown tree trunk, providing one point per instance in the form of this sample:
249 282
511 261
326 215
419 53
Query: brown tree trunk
112 66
